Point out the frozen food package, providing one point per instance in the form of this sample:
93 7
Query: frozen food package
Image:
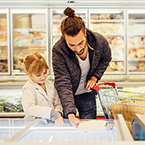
132 53
142 66
2 104
140 51
13 102
22 21
132 66
117 53
38 21
117 28
117 41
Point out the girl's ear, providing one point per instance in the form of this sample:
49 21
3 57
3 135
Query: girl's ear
27 73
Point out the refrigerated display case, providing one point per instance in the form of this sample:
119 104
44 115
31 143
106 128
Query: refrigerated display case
136 41
4 42
29 34
123 28
10 127
42 130
110 23
138 127
10 102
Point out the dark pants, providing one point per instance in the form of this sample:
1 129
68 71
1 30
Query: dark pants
86 105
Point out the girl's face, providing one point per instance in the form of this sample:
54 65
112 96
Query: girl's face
38 78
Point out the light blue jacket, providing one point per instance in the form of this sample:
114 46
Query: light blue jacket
36 102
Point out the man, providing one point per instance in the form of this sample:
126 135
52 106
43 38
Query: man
79 57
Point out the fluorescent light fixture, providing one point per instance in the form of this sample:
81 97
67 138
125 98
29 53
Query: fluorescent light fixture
28 11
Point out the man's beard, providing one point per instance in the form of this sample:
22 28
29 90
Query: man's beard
82 51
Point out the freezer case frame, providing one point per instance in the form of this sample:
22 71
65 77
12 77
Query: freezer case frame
134 46
6 11
112 10
117 128
30 10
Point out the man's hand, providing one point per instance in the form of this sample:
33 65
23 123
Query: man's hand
91 82
73 120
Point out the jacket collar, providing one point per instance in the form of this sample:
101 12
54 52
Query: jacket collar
90 38
34 84
39 88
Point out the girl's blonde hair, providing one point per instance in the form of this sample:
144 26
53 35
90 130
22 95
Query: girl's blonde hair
35 63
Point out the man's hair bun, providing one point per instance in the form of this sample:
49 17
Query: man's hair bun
69 12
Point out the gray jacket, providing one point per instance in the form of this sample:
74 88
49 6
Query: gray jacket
67 70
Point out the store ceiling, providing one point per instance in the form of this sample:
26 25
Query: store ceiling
127 3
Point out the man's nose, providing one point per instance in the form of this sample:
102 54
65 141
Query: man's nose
77 48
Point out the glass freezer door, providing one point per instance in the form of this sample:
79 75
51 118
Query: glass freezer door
136 41
4 47
29 35
110 23
45 131
41 130
10 127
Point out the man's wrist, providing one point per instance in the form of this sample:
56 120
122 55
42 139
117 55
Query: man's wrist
94 78
71 116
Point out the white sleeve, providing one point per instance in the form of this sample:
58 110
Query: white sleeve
57 103
30 107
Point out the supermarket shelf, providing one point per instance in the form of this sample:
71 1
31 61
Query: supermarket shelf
137 20
10 114
12 84
120 80
97 21
118 84
130 84
22 114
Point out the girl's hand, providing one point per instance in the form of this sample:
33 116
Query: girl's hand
59 121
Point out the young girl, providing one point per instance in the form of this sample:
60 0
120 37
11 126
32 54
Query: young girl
39 97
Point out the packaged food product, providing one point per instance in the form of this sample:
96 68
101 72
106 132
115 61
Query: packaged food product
117 41
38 21
132 53
140 52
132 68
112 66
117 28
22 21
141 66
2 104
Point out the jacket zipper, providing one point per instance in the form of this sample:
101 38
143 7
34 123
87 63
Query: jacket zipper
80 74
